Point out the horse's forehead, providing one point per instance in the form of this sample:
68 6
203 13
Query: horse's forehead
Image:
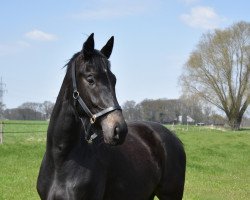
98 64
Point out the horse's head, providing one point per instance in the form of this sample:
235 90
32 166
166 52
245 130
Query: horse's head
94 91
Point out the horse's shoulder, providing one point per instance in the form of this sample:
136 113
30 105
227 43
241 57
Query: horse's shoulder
155 127
147 127
155 134
147 134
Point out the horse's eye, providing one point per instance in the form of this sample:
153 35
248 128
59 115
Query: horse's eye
91 80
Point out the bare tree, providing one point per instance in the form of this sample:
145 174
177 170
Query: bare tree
192 106
47 108
37 107
219 71
131 111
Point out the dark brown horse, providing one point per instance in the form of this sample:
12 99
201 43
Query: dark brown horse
92 154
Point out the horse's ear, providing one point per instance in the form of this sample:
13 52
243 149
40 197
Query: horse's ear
107 49
88 47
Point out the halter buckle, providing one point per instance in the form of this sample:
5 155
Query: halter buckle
75 94
93 119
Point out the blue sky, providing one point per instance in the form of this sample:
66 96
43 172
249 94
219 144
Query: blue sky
153 39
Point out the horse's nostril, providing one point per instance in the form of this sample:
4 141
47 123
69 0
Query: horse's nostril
117 133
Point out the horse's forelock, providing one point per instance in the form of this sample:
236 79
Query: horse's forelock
96 59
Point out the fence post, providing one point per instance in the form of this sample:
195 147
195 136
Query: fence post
1 132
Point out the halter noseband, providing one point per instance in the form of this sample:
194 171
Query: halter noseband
92 117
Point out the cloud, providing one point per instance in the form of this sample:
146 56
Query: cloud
40 35
108 9
202 17
19 46
13 48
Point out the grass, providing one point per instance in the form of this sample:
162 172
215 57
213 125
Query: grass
20 158
218 162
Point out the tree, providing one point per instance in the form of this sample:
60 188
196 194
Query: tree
131 111
161 110
37 107
217 119
23 114
192 106
218 70
47 108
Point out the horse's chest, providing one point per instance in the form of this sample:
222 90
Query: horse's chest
77 181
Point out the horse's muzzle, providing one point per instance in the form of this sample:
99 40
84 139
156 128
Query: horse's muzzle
114 128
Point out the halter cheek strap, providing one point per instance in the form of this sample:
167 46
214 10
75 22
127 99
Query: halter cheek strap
78 99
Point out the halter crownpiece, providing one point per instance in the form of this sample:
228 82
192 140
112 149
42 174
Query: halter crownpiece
92 117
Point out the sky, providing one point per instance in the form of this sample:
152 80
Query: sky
153 40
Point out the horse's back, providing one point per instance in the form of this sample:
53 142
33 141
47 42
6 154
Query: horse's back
166 150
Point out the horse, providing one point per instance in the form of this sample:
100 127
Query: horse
92 153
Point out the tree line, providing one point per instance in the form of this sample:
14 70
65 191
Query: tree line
164 111
28 111
172 111
184 110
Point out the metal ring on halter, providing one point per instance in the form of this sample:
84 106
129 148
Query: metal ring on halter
75 94
93 119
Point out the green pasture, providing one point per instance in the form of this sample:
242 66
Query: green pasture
218 162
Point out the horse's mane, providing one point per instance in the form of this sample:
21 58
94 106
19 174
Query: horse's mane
68 64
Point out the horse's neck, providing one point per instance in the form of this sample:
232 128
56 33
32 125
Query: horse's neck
65 126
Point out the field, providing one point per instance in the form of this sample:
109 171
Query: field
218 162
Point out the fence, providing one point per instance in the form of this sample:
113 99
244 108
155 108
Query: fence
1 132
21 127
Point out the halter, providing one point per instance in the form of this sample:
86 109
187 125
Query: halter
92 117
